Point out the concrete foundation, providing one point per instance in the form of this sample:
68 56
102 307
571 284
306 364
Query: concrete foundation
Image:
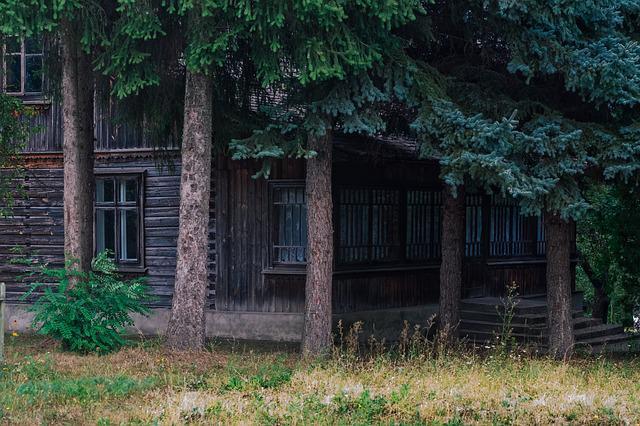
281 327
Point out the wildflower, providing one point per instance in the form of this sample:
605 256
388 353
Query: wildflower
14 334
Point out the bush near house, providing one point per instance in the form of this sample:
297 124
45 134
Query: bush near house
86 312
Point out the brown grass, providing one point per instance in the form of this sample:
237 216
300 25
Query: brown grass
256 384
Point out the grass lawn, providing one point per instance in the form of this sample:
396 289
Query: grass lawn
251 384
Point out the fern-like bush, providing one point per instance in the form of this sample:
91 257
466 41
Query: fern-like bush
86 312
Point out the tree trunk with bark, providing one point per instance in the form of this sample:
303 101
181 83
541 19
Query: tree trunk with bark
452 241
77 148
316 337
600 308
186 330
559 301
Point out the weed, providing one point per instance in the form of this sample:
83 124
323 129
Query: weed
505 341
268 376
83 389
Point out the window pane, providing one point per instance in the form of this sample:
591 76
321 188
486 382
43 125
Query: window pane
33 45
13 45
129 232
13 83
105 231
369 225
423 224
33 71
105 190
473 231
290 215
511 234
128 191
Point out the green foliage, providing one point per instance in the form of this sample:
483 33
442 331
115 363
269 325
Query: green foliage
14 132
268 376
87 312
527 97
363 409
83 389
609 239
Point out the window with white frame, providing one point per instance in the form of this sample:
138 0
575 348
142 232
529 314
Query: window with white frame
22 66
119 218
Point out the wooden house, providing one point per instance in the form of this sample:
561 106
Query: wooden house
387 221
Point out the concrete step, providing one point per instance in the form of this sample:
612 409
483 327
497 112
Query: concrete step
532 319
596 331
584 322
521 308
622 342
516 327
483 337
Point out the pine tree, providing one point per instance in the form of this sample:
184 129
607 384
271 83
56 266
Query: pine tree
79 27
334 63
524 99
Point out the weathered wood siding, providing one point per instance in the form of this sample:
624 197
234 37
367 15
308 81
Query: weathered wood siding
110 132
36 225
245 281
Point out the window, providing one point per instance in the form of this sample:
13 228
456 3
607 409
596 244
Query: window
369 225
423 224
511 233
473 225
289 220
22 66
118 218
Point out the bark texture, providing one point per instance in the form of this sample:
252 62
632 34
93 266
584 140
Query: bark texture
316 337
559 321
77 148
600 308
186 330
452 241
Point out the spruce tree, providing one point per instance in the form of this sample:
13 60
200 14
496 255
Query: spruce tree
524 99
335 66
78 27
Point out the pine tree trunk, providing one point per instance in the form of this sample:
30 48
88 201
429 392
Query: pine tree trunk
559 303
452 240
186 330
77 148
316 337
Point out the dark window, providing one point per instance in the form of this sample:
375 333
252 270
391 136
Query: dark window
370 229
513 234
118 218
23 66
423 224
289 223
473 233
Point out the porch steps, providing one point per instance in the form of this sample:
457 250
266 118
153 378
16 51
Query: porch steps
481 321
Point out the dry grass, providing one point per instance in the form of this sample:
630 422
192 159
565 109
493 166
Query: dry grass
250 384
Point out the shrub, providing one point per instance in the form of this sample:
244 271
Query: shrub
87 312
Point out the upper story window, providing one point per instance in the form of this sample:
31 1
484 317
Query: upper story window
22 66
119 218
289 223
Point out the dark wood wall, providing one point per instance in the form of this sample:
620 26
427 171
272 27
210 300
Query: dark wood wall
245 281
36 226
111 132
